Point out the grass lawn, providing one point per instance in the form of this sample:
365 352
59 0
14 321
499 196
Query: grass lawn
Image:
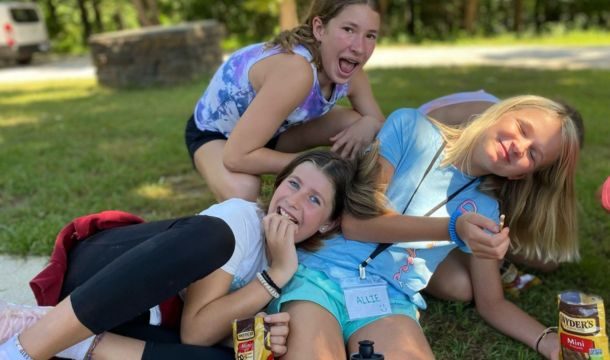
74 148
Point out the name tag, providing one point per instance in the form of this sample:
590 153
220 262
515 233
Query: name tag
366 297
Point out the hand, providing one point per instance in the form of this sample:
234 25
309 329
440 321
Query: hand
471 228
279 331
279 234
549 346
354 138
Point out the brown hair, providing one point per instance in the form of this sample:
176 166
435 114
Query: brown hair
356 190
326 10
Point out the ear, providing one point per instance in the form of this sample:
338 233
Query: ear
317 27
329 226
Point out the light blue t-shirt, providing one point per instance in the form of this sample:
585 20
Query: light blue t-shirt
409 142
229 93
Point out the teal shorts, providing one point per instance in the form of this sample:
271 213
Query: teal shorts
315 286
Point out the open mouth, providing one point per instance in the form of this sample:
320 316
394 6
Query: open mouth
347 65
285 214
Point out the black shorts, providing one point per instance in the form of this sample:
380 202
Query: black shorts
196 138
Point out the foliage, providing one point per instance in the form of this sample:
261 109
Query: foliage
404 20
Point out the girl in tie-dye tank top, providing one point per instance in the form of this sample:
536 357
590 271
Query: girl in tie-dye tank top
270 101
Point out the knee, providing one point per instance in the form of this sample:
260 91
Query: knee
457 287
243 187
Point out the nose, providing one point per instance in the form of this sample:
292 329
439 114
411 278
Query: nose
295 199
519 147
357 45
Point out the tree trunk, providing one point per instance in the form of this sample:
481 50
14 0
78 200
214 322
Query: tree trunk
52 20
411 18
288 15
97 14
518 16
384 6
153 11
148 14
470 15
84 18
539 14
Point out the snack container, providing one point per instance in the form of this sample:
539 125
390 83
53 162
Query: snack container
252 339
582 327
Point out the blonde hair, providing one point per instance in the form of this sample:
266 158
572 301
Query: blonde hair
540 208
326 10
356 190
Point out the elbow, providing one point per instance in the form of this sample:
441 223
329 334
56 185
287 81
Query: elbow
486 308
232 161
347 227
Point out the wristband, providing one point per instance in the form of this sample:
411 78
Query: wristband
267 287
453 235
270 281
545 332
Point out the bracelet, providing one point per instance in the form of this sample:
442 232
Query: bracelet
545 332
96 340
453 235
267 287
271 282
21 349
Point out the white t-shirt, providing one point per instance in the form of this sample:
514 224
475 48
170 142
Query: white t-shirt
245 220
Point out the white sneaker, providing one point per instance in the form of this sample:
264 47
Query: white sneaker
14 318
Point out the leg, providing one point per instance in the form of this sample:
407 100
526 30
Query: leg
314 333
396 337
317 132
223 183
451 280
150 272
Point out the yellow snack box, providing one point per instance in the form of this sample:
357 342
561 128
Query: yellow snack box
582 327
252 339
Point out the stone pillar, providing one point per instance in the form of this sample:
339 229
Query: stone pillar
157 55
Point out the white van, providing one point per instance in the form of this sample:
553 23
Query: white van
22 31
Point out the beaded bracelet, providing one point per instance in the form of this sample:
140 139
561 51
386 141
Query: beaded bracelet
267 287
453 235
545 332
271 282
96 340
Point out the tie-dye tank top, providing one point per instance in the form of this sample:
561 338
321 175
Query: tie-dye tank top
230 93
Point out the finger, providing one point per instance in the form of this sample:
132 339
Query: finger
281 317
481 221
339 142
279 350
279 330
347 150
337 136
278 340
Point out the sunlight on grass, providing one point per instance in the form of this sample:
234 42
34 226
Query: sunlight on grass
46 91
6 122
155 191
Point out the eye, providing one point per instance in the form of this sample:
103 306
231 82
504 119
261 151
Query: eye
520 126
294 184
315 200
348 29
371 37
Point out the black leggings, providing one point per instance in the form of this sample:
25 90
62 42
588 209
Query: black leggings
116 275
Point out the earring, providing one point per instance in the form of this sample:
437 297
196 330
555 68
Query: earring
323 228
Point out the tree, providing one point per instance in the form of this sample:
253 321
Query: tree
470 15
518 16
84 17
148 12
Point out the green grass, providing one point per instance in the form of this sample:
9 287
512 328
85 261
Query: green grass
74 148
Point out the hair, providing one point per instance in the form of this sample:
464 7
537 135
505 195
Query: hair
356 189
541 207
326 10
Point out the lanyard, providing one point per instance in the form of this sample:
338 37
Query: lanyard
381 247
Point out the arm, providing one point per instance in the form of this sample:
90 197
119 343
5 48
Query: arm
394 227
209 308
282 82
503 314
363 131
